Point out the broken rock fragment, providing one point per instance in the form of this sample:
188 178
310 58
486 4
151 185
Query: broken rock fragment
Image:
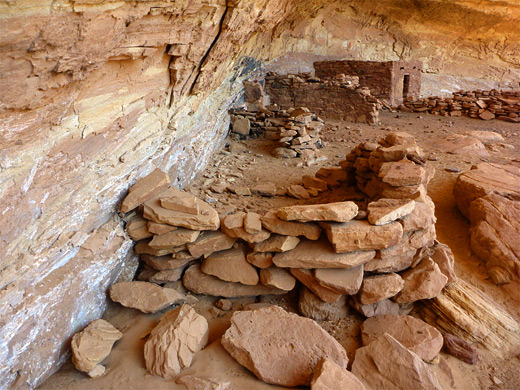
252 223
388 210
329 376
277 243
425 281
174 238
173 343
336 212
280 348
185 205
209 242
306 277
278 278
343 281
231 266
361 235
144 296
92 345
260 259
145 189
309 305
386 306
386 364
402 173
378 287
416 335
137 228
460 348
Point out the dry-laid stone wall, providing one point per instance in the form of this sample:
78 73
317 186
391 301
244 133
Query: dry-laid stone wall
335 98
486 105
381 253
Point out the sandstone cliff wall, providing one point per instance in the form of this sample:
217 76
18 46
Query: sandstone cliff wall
95 94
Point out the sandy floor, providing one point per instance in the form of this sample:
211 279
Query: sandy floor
250 163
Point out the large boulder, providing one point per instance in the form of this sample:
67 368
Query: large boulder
280 348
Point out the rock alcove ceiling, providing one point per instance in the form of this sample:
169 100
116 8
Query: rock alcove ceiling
96 94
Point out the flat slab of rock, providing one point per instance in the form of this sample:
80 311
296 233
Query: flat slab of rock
307 278
329 376
343 281
314 182
200 283
387 364
161 263
277 243
144 296
278 278
484 179
297 191
388 210
265 189
274 224
160 228
145 189
209 242
319 254
361 235
378 287
173 343
206 219
174 238
185 204
93 344
425 281
252 223
416 335
280 348
241 233
495 232
336 212
461 144
309 305
231 266
137 228
402 173
260 259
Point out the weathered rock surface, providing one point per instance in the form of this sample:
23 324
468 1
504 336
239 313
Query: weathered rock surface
231 266
277 277
145 189
387 364
307 278
309 305
343 281
402 173
443 257
319 254
393 259
495 229
460 348
277 243
252 223
329 376
173 343
416 335
147 297
484 179
206 219
388 210
336 212
386 306
159 228
361 235
174 238
185 204
93 344
378 287
422 216
209 242
272 223
200 283
260 259
278 347
425 281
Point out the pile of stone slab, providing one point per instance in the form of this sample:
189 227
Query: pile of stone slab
297 129
486 105
489 196
379 255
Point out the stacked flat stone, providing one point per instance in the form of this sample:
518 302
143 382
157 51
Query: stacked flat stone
296 129
486 105
379 258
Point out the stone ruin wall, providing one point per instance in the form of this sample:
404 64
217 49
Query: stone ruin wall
384 79
330 100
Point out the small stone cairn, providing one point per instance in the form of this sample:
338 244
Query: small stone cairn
486 105
380 258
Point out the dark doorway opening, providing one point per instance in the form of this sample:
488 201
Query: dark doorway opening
406 85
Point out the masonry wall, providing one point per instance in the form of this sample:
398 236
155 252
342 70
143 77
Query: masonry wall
323 98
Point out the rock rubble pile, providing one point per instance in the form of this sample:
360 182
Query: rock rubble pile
486 105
